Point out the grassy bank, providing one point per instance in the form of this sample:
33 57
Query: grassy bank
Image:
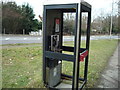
22 66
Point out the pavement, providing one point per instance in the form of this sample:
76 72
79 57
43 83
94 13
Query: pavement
110 77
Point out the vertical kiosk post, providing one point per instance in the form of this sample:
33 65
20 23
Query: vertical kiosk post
87 44
77 49
44 44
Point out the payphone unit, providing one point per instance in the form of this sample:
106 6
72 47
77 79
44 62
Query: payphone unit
53 48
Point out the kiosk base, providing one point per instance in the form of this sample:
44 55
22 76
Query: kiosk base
64 85
67 84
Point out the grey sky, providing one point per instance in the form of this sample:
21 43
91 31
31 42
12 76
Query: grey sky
98 6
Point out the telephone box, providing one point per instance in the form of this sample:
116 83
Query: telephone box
53 44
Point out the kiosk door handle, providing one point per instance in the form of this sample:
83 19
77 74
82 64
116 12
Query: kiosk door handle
83 55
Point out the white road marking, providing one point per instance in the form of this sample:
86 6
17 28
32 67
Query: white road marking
7 38
25 38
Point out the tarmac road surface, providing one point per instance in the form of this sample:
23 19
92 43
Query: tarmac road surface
14 39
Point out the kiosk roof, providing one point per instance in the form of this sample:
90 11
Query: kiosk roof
58 2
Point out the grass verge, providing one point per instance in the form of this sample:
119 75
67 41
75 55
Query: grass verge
18 44
22 66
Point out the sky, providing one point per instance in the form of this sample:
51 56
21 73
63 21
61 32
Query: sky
99 7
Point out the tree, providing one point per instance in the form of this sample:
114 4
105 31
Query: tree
28 20
16 18
11 19
68 23
105 26
84 24
119 16
40 25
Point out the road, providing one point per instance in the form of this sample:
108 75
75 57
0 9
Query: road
14 39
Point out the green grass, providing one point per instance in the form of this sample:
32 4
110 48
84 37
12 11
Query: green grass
22 66
18 44
0 69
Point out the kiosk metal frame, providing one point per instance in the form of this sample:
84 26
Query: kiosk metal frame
79 53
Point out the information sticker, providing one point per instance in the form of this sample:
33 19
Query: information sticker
57 25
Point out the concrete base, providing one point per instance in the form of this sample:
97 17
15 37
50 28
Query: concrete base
63 86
